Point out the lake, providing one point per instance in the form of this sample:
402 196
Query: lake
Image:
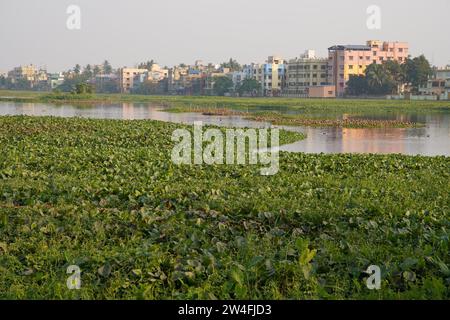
431 140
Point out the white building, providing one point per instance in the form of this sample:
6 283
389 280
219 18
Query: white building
55 79
438 85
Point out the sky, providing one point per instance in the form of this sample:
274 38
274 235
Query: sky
182 31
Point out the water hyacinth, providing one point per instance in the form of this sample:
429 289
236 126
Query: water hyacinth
104 195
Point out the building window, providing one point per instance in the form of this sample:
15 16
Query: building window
350 66
351 58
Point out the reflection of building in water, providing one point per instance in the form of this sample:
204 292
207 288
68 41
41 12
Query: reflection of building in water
27 108
386 140
128 111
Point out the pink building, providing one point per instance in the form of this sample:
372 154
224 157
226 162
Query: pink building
347 60
322 92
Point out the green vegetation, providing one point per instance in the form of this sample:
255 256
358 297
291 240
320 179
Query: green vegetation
389 77
250 87
222 85
302 120
104 195
232 64
353 106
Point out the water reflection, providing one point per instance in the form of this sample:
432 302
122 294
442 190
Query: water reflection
432 140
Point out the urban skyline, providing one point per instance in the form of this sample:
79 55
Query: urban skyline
179 32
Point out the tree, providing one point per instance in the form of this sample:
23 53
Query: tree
87 72
233 65
77 69
96 70
147 87
357 85
249 86
378 80
84 88
222 85
3 82
396 73
107 86
146 65
107 68
70 84
417 72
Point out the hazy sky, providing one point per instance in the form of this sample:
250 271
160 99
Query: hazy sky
175 31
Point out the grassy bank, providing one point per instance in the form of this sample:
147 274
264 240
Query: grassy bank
333 105
277 118
104 195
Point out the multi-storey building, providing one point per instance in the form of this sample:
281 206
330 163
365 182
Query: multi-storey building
126 78
305 72
253 71
23 73
175 79
238 77
36 77
347 60
438 85
273 76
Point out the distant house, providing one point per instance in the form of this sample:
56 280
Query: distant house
438 85
305 72
55 80
126 78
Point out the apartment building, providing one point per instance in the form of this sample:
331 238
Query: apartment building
347 60
127 77
187 80
273 76
23 73
438 85
238 77
253 71
305 72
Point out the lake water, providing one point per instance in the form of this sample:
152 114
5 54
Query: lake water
431 140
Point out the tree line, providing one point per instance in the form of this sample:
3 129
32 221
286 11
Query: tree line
391 77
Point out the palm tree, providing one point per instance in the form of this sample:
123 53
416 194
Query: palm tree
376 75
